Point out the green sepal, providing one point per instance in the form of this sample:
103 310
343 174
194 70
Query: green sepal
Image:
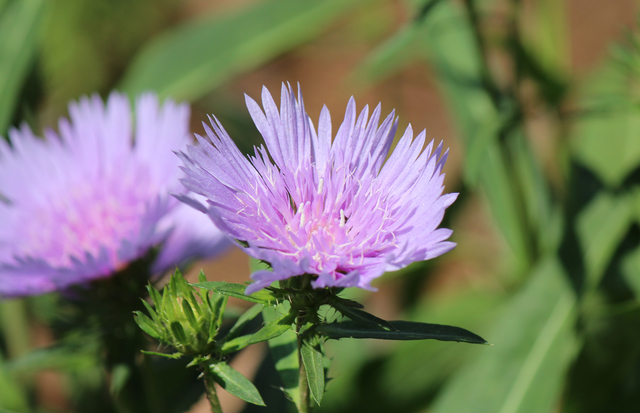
264 297
235 383
174 356
405 330
188 312
313 363
147 325
178 333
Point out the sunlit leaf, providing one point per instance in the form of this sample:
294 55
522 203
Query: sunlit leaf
235 383
237 290
534 343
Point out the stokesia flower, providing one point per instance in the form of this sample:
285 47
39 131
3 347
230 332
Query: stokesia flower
83 204
307 205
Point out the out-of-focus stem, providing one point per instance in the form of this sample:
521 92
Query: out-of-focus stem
13 319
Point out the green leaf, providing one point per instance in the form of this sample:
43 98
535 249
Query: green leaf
284 350
178 333
535 342
242 321
20 24
237 290
188 312
12 395
270 331
361 317
235 383
174 356
312 359
404 330
601 227
147 325
192 59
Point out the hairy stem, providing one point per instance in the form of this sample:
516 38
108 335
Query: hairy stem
210 389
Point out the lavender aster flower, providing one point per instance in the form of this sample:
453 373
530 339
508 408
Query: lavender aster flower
312 206
88 201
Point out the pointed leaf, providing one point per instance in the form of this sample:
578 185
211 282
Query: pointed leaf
269 331
147 325
237 290
174 356
235 383
243 320
405 330
312 359
188 312
362 317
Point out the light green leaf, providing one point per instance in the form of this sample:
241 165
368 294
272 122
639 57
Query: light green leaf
237 290
534 344
20 24
600 227
235 383
268 332
312 359
192 59
147 325
284 350
12 395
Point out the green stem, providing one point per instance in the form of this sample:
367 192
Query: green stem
13 319
303 383
210 389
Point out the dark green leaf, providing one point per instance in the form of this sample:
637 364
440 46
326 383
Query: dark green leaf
178 332
312 359
188 312
235 383
268 332
361 317
237 290
405 330
190 60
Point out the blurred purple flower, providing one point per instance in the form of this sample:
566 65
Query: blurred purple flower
336 210
84 204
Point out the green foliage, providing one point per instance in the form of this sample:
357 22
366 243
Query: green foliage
235 383
20 25
199 55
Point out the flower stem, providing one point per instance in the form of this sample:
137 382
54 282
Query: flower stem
210 389
303 383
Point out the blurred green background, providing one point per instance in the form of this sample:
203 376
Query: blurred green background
539 101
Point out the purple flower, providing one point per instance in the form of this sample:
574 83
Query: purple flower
337 210
84 204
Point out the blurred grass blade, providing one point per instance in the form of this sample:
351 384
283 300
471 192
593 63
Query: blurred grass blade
601 226
20 23
534 346
190 60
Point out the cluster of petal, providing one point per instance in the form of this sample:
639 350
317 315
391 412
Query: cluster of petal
310 204
83 203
